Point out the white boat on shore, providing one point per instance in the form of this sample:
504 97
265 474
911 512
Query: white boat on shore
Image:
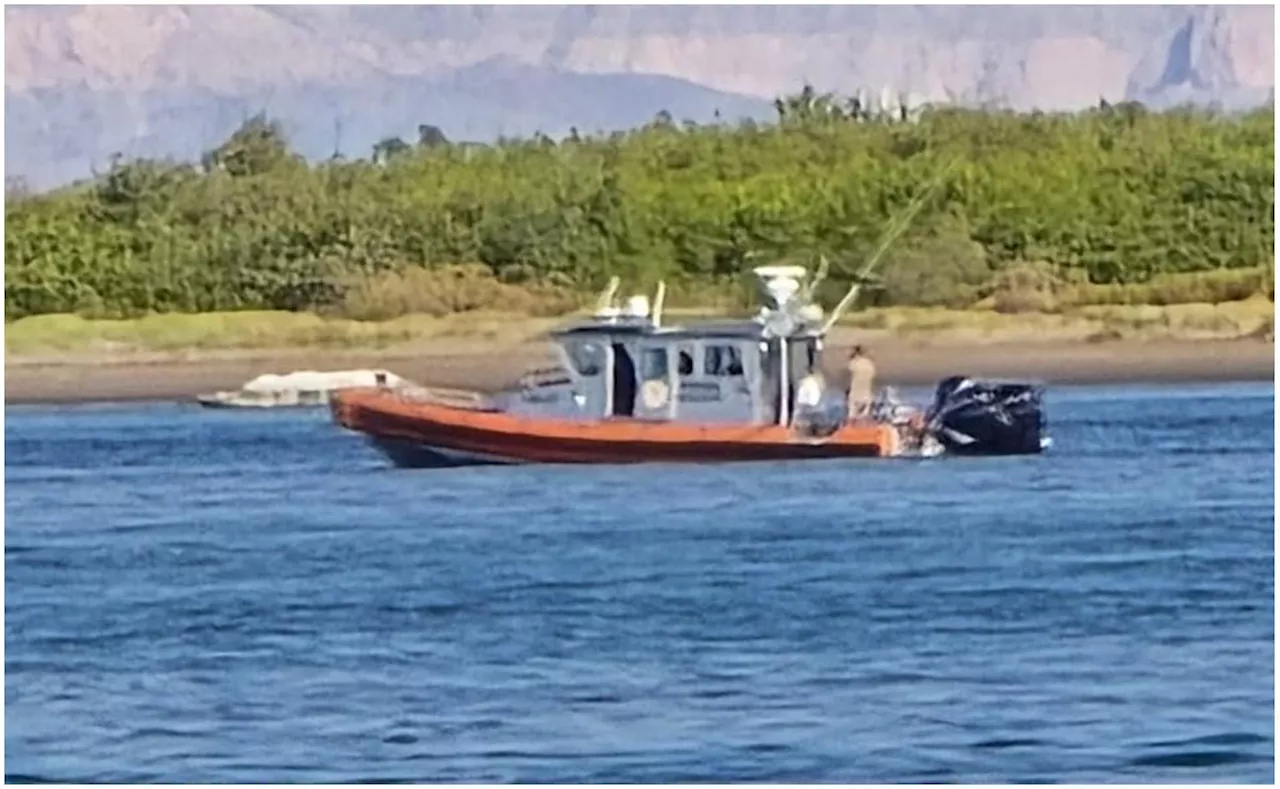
300 389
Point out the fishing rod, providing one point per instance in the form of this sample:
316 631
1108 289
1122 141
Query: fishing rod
895 230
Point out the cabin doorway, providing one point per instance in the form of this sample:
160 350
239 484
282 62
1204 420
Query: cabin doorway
624 381
770 385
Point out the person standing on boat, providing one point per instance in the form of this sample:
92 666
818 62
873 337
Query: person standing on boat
808 395
862 376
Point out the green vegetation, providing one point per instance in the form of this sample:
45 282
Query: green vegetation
51 335
1040 213
43 336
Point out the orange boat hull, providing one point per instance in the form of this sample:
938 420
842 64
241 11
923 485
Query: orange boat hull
419 434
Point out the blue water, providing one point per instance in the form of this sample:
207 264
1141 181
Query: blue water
215 596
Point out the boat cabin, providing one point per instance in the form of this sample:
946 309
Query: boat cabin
626 365
726 372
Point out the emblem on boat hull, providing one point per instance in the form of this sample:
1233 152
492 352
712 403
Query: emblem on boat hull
654 394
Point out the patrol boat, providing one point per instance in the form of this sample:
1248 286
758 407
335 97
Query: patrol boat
629 389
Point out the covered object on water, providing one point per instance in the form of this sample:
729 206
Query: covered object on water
302 388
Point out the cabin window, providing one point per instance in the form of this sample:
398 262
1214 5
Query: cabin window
654 364
587 357
722 360
685 365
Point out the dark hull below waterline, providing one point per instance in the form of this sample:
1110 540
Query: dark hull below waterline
410 454
406 453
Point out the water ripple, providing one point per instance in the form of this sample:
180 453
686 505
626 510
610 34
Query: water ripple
196 596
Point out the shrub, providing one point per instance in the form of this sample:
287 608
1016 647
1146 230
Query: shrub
1027 287
446 291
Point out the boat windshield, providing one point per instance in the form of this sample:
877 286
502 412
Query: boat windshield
587 356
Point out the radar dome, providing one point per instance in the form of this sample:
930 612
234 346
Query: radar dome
780 283
638 307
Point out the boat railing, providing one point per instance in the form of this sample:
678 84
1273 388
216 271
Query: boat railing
545 376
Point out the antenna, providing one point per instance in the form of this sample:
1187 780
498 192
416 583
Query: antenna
658 298
895 230
604 302
818 277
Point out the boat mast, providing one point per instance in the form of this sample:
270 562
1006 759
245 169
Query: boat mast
781 319
784 388
655 313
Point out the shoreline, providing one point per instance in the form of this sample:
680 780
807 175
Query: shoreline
901 362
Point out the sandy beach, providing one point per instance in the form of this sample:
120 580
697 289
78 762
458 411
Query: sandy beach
900 362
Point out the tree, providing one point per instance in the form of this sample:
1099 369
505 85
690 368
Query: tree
257 147
1120 197
431 137
388 148
15 187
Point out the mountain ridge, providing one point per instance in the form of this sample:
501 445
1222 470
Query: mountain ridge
84 82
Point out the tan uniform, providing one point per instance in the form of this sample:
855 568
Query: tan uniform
862 378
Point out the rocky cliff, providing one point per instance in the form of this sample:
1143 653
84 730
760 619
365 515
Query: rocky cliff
84 82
